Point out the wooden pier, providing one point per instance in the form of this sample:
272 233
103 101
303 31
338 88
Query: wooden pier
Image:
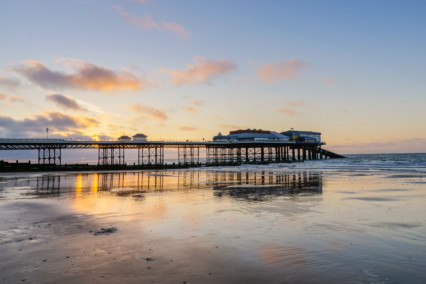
151 153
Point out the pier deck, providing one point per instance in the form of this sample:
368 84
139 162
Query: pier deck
151 153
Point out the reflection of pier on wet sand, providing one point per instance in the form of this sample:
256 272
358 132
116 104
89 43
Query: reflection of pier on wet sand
232 183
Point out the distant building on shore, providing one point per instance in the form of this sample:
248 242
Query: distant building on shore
250 135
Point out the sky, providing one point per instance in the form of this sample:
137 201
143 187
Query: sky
185 70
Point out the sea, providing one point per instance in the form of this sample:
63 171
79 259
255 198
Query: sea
361 219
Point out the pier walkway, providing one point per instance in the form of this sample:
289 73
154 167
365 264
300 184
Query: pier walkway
151 153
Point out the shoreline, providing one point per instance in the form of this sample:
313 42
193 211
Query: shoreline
28 167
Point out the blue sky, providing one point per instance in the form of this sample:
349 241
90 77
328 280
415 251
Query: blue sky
353 70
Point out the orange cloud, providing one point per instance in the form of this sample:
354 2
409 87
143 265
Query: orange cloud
203 71
294 103
147 23
287 111
149 112
285 70
190 109
87 76
196 102
10 99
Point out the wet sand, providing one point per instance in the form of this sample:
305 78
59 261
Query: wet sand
212 227
41 243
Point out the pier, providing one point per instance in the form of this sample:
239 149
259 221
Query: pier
150 154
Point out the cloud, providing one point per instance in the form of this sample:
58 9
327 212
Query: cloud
287 111
285 70
64 101
328 80
290 107
294 103
189 129
149 112
9 83
86 76
190 109
10 99
410 145
232 127
203 71
136 1
36 126
176 29
195 104
14 99
147 23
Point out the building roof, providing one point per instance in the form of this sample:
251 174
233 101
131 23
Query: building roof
139 135
249 131
298 132
124 137
251 134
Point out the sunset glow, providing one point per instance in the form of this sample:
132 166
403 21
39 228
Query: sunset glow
186 70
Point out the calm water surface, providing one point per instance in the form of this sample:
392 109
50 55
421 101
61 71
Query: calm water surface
357 220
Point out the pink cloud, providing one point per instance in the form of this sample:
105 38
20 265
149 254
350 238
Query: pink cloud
176 29
149 112
285 70
148 23
202 71
328 80
86 75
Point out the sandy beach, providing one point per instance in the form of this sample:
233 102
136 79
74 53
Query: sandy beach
195 226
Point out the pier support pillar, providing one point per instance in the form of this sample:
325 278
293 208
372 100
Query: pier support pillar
49 155
111 156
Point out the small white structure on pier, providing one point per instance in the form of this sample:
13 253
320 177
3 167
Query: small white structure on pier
124 138
140 137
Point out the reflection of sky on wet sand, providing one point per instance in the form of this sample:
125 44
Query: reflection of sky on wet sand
364 227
